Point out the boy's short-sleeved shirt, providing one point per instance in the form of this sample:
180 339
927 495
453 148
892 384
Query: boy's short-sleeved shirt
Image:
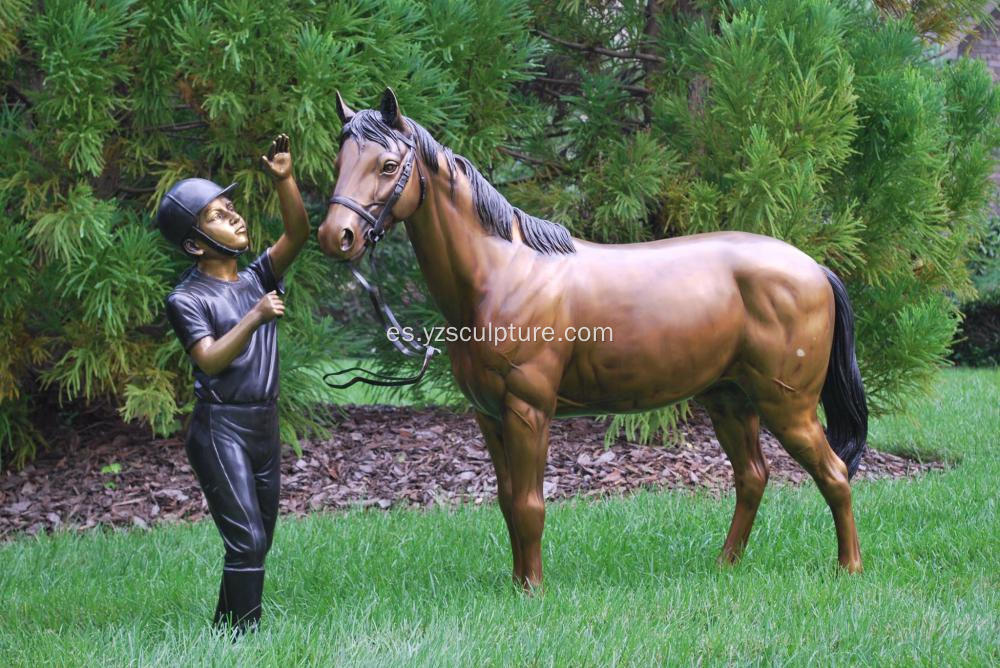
203 305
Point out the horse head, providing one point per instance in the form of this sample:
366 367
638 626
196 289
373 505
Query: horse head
373 190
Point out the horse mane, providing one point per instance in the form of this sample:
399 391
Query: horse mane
495 213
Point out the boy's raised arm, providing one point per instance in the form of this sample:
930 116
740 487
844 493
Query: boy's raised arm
278 163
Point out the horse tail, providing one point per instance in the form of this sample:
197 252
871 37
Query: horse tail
843 393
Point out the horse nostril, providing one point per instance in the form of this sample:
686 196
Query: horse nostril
346 240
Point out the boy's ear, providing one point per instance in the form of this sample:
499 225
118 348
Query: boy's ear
191 248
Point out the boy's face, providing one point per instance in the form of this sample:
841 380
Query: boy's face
220 221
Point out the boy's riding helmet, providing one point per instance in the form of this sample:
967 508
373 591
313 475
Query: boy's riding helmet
179 209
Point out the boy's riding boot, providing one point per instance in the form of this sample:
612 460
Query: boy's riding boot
239 600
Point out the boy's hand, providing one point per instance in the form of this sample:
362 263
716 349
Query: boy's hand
278 161
270 307
214 357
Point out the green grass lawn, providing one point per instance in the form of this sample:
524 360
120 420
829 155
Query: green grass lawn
628 581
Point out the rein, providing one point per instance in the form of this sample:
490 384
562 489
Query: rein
373 234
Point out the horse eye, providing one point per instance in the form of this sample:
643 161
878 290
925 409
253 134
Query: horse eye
389 168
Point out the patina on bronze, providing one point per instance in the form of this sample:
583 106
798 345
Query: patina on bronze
749 326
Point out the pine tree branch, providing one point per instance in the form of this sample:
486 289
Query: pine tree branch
514 182
635 90
523 157
599 49
638 76
176 127
530 159
136 191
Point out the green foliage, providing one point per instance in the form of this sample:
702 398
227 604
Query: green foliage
978 339
632 192
985 260
16 426
108 102
772 130
941 21
823 122
977 342
642 427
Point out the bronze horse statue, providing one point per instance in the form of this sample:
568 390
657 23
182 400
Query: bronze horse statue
749 326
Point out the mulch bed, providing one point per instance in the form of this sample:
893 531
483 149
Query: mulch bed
379 456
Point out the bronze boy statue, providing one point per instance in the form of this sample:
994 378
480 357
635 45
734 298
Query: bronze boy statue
225 319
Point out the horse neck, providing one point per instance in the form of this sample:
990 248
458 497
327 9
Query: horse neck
456 255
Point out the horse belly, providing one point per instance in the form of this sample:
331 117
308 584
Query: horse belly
669 354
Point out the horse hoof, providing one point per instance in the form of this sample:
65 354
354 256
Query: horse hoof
727 559
851 566
529 587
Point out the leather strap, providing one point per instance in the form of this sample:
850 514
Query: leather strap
374 232
388 320
215 245
376 226
389 381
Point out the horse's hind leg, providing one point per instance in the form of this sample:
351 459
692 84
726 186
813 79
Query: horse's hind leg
794 423
493 434
737 427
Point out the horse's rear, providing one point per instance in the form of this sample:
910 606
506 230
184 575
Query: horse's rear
753 329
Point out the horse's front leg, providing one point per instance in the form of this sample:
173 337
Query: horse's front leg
492 429
526 442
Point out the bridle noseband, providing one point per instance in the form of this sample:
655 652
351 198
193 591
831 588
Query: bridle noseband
374 232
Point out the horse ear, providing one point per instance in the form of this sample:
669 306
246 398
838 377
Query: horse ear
391 114
345 112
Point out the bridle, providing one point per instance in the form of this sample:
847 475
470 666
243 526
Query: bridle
376 226
374 232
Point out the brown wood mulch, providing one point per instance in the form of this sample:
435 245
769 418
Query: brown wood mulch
111 473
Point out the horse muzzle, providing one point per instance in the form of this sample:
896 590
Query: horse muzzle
341 235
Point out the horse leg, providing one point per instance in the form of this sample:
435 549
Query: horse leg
737 427
801 434
526 442
493 433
